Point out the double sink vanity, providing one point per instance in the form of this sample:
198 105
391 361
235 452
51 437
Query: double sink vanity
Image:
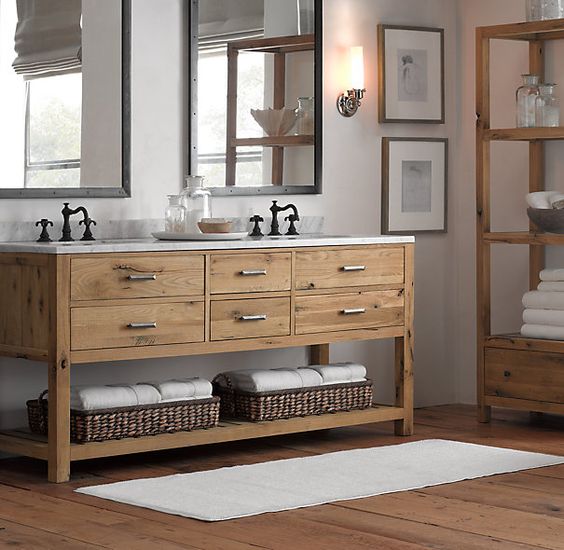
85 302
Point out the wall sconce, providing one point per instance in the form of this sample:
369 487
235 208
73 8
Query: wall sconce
349 102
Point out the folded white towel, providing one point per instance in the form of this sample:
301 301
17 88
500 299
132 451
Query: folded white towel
538 299
261 380
548 317
183 388
541 199
146 394
91 398
551 286
552 274
338 373
543 331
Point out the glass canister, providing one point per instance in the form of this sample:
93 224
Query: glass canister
196 199
534 10
526 101
547 107
175 215
551 9
305 114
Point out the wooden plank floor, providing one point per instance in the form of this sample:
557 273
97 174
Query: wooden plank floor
507 512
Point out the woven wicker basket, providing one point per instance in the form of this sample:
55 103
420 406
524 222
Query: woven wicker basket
291 403
137 421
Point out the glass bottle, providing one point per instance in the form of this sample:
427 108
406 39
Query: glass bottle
547 107
175 215
196 199
526 97
305 113
551 9
534 10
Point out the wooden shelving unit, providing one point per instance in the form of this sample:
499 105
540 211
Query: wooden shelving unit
513 372
279 47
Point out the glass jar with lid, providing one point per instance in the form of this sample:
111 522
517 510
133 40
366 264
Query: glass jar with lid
196 199
526 101
175 215
534 10
305 113
547 107
551 9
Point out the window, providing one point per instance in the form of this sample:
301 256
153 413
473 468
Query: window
52 131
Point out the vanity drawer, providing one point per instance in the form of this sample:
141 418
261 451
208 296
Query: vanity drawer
532 375
252 318
136 276
106 327
239 273
342 268
359 310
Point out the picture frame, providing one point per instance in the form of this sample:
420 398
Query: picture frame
414 185
411 65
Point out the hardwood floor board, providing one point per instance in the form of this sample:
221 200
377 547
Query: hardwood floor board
508 525
502 496
552 471
14 535
527 480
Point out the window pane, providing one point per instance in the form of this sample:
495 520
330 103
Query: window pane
55 118
69 177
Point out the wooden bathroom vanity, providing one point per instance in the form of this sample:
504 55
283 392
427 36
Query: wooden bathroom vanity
71 304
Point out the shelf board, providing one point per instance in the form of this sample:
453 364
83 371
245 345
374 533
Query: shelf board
524 134
25 443
533 30
277 44
274 141
517 342
524 237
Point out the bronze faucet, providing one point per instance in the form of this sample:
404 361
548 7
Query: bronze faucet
292 218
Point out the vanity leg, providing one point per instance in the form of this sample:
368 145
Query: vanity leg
404 385
319 354
59 366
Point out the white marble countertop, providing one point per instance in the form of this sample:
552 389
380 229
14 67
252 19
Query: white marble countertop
154 245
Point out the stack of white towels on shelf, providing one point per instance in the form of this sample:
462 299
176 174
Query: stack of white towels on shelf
544 308
269 380
92 398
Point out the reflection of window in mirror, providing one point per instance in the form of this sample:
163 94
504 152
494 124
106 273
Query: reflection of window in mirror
271 47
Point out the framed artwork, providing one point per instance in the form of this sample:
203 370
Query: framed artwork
414 185
411 74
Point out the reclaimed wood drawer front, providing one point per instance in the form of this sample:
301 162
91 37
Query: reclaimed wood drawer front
107 327
136 276
233 319
533 375
239 273
360 310
338 268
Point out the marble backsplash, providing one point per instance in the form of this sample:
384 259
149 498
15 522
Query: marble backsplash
137 229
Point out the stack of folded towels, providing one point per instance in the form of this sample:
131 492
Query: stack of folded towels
92 398
544 308
262 380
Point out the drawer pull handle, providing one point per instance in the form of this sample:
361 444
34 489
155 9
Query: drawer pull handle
349 268
253 318
253 272
143 277
357 311
142 325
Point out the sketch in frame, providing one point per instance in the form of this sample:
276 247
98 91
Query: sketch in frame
411 74
414 185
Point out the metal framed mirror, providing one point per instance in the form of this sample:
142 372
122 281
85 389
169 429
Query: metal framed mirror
254 83
65 107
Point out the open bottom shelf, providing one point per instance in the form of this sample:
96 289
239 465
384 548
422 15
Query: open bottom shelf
517 342
25 443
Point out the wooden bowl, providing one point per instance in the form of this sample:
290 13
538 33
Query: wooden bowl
215 226
547 219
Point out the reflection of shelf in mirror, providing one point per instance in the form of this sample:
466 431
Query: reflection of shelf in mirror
277 44
274 141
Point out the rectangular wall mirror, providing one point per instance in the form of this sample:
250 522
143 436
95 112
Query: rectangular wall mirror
255 92
65 105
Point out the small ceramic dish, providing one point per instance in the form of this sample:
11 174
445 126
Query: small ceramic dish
546 219
215 225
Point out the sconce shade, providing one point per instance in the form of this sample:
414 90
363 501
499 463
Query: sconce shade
357 68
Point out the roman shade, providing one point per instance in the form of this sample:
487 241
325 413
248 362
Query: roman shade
48 38
225 18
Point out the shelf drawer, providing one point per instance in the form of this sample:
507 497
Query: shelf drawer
252 318
240 273
107 327
136 276
359 310
342 268
532 375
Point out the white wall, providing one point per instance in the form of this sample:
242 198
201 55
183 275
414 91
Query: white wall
350 202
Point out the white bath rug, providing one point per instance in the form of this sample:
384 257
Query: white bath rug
240 491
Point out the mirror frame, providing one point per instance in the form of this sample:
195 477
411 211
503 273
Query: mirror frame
100 192
191 83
